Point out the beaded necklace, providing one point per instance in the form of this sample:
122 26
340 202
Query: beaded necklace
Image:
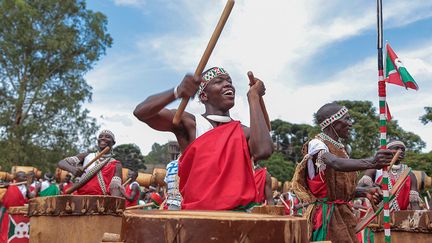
338 145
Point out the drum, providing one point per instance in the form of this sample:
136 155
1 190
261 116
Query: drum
210 226
145 179
5 176
159 176
2 193
406 226
71 219
423 180
19 225
274 183
26 169
286 186
60 175
125 172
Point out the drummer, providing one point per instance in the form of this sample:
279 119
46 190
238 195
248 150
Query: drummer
35 185
408 197
66 184
225 148
105 182
132 190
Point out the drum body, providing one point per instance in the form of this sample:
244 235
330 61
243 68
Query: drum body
26 169
159 176
406 226
274 183
5 176
286 187
210 226
70 219
424 181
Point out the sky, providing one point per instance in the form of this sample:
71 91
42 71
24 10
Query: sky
307 53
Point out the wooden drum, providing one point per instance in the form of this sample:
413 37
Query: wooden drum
210 226
71 219
4 176
27 169
159 176
274 183
145 179
406 226
424 181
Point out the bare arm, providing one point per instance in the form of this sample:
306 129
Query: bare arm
260 143
381 159
414 205
135 191
152 111
70 164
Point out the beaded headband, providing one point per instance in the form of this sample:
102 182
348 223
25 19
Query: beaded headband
109 133
338 115
208 76
391 144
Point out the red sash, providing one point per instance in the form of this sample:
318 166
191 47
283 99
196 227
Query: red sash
93 187
128 191
13 197
260 180
318 188
216 171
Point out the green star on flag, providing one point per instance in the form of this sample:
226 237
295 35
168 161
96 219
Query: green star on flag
396 72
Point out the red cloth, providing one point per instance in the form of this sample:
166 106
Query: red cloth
92 187
12 198
318 188
403 196
216 171
67 186
156 198
260 180
128 191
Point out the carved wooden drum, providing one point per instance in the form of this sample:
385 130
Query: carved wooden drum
74 219
210 226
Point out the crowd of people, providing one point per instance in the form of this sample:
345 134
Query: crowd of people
218 168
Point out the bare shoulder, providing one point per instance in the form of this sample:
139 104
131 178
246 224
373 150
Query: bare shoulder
246 131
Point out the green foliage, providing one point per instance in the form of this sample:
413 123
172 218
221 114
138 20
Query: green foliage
289 138
426 118
46 47
158 154
419 161
130 156
279 167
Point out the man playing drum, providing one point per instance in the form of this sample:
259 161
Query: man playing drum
408 196
215 168
107 181
327 179
132 190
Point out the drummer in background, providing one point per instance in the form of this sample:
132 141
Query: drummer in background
408 197
48 186
35 184
171 179
66 184
108 180
132 190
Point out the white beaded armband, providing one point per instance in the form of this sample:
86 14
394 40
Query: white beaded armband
414 196
366 180
72 160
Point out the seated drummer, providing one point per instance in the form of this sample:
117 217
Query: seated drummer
107 181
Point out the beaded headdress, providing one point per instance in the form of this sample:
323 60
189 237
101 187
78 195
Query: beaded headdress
338 115
391 144
208 76
109 133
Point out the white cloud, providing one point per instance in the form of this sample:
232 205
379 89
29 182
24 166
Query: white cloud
131 3
275 39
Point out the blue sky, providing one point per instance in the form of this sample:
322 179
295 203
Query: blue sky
307 52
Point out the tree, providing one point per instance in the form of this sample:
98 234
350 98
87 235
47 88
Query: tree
158 154
46 47
426 118
279 167
130 156
365 133
289 138
420 161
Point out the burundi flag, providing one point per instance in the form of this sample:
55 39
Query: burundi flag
19 227
396 72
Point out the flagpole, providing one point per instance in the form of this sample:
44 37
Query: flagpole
383 121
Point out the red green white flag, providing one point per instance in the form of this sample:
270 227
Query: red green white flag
395 71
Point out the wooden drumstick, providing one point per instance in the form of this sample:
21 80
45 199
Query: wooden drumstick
127 181
140 206
395 158
98 156
14 184
205 57
263 107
